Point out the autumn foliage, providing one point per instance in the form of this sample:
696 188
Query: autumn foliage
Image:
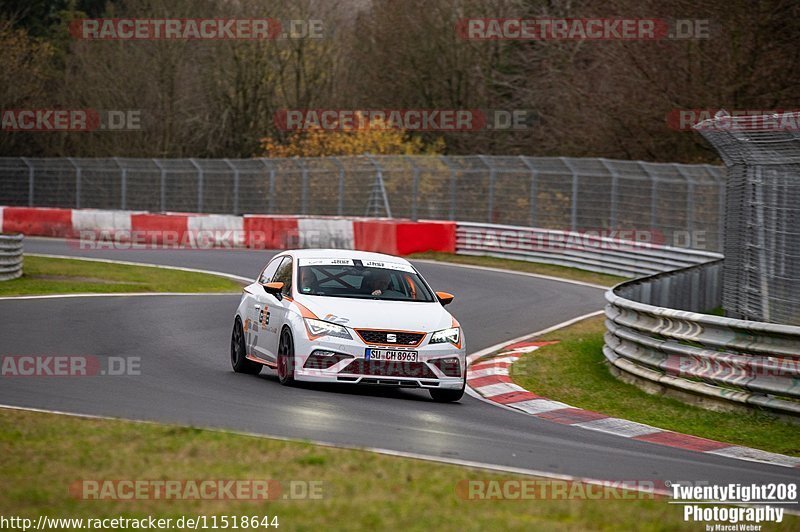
376 139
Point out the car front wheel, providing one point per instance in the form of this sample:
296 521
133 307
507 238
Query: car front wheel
239 352
448 396
286 358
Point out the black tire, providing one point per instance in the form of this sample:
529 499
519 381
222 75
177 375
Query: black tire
239 361
286 358
448 396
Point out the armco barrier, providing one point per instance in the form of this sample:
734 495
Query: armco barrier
10 256
585 250
393 236
720 360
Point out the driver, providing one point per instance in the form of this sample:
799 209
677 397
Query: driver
379 282
308 281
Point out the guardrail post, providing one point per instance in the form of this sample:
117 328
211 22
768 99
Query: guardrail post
235 185
123 179
31 181
77 182
200 175
163 185
574 208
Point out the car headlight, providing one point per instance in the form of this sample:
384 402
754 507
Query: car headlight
326 328
452 335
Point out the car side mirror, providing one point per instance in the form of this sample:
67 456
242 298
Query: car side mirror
274 289
445 298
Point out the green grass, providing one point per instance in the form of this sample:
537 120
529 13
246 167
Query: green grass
553 270
43 454
44 275
574 372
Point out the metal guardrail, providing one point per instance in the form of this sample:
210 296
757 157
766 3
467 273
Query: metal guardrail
10 256
654 329
585 250
729 360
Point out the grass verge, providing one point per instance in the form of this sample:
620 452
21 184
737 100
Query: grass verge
552 270
44 454
574 372
44 275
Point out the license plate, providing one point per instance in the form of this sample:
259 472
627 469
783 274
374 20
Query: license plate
391 355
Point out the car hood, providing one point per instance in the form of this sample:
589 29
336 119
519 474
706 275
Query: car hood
376 314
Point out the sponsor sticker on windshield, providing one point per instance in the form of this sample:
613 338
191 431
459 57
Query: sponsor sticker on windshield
350 262
325 262
389 266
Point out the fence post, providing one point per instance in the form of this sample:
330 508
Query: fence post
123 180
235 185
200 176
378 192
573 216
271 190
612 213
304 191
653 194
534 175
490 199
721 191
414 187
77 182
340 202
31 173
163 186
690 182
452 215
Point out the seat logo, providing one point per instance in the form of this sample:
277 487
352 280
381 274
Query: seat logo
391 337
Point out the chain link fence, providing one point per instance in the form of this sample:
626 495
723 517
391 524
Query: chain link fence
679 204
762 231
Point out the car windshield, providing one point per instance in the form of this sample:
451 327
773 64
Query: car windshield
362 280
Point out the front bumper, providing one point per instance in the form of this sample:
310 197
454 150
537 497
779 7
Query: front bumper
355 369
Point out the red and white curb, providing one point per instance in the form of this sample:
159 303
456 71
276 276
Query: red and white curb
488 378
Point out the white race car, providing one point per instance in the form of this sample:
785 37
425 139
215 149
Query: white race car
325 315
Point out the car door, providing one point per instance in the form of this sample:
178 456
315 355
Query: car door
274 311
256 301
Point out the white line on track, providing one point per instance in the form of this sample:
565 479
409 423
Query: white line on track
146 265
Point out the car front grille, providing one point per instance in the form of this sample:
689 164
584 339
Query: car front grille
371 336
384 368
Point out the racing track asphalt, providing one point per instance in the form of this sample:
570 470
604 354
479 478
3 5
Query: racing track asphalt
183 342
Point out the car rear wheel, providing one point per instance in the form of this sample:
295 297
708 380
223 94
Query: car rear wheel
448 396
239 352
286 358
